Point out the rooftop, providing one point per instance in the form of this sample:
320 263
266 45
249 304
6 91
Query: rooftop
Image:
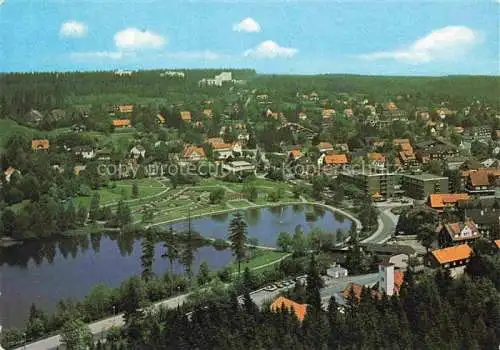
425 177
282 302
450 254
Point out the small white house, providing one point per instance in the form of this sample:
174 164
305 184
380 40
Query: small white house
336 271
85 152
138 152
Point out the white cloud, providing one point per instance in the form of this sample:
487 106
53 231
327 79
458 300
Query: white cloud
248 25
440 44
133 38
73 29
206 55
270 49
111 55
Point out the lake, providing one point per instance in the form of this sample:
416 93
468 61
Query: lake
45 272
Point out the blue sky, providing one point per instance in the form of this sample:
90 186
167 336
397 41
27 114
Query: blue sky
273 36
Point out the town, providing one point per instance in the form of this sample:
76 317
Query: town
416 177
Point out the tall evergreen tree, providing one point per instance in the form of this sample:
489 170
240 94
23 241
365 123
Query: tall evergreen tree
148 255
314 285
238 238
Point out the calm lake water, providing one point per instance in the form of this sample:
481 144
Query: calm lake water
46 272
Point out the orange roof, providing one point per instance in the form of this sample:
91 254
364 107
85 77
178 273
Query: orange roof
377 157
398 280
190 150
78 169
221 145
186 116
406 147
357 288
450 254
40 144
121 122
489 171
10 170
479 178
296 153
391 105
282 302
336 159
497 243
325 145
440 200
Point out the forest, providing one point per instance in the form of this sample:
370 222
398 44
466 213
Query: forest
432 311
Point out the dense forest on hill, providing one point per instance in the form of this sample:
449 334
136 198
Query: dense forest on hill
458 90
59 90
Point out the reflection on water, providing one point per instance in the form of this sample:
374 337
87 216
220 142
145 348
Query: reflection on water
47 271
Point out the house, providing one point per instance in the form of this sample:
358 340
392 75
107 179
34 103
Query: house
435 149
313 96
485 212
160 119
480 182
449 257
328 113
325 147
122 123
302 116
85 152
439 201
193 154
492 173
295 154
336 271
126 108
40 145
337 160
389 282
138 151
342 147
9 172
284 303
208 113
478 133
77 169
78 128
348 113
377 159
186 116
103 154
239 167
221 149
456 233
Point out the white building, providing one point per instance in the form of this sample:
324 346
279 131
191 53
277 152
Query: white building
386 278
218 80
122 72
336 271
138 151
239 166
173 74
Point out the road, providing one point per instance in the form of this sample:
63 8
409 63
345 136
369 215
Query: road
332 286
387 222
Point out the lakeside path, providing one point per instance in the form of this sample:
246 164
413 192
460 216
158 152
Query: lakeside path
267 205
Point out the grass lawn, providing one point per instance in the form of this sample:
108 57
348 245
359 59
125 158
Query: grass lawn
147 187
259 258
9 127
238 204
